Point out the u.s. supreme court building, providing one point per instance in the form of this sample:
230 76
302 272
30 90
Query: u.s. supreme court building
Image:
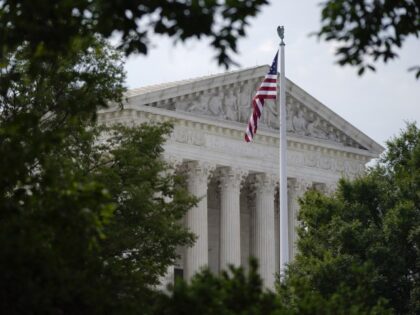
238 215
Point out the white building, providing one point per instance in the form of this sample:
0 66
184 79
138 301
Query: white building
238 213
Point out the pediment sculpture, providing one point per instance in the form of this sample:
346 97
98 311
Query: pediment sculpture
233 103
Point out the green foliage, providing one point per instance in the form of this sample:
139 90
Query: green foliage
363 242
99 220
302 298
88 215
66 26
233 292
238 292
150 202
39 109
369 30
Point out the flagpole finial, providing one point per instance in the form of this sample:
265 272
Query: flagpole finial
280 31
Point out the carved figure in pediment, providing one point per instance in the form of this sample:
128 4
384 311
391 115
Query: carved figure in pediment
315 129
270 114
333 135
230 107
244 103
289 119
215 105
198 105
299 123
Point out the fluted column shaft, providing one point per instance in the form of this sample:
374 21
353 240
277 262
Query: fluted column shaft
196 256
264 236
230 217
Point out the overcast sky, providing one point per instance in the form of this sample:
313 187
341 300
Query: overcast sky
377 103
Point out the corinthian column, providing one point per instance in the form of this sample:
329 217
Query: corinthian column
174 163
264 236
196 256
230 218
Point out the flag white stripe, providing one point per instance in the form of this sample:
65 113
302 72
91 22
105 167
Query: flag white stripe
260 106
251 121
267 93
267 84
249 134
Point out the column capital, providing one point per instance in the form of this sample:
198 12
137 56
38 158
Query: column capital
265 182
301 185
199 170
231 177
291 183
174 164
174 161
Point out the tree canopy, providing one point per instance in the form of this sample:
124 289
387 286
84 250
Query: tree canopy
89 216
64 26
86 212
363 242
232 292
239 292
367 31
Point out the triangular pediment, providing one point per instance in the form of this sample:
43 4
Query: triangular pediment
227 97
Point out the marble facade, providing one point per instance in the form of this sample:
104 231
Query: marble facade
237 215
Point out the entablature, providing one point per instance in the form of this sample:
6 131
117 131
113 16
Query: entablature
192 128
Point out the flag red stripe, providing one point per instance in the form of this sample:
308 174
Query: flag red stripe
267 88
270 97
270 80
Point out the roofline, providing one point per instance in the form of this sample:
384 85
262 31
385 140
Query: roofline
198 84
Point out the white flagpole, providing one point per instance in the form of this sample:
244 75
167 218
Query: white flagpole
284 222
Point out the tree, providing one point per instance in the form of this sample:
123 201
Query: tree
63 27
233 292
38 109
87 223
237 292
88 226
367 31
150 201
365 239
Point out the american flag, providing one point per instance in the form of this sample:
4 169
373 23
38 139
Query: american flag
267 90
